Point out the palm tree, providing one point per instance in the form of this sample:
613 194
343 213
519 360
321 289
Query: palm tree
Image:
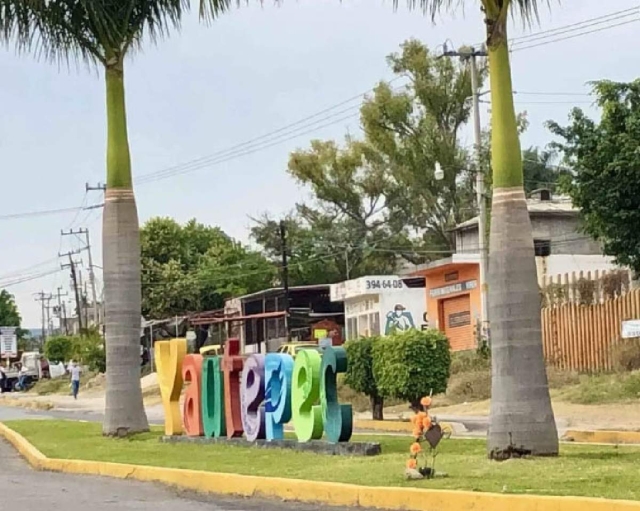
521 410
103 33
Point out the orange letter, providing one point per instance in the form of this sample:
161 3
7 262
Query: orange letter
169 357
191 414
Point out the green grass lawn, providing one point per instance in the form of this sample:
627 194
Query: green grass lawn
594 471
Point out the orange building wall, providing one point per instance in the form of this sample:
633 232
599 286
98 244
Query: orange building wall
464 338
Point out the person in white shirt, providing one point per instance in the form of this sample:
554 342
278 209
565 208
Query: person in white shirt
75 378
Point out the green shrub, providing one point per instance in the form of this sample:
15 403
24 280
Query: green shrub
412 364
89 350
59 349
359 375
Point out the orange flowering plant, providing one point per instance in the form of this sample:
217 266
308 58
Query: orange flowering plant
425 428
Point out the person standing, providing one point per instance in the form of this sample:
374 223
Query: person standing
75 378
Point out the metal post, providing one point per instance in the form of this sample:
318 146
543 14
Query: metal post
482 204
285 275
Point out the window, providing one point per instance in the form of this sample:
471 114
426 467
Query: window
374 323
542 247
352 328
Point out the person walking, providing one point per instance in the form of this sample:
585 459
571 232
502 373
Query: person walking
75 378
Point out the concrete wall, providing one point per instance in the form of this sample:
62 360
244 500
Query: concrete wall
563 231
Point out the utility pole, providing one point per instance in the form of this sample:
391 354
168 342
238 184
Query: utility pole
74 280
43 297
62 311
92 277
285 274
470 54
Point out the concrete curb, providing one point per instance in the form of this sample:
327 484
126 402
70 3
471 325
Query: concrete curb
602 437
396 426
332 494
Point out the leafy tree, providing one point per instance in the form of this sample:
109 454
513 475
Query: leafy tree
103 33
359 375
195 267
540 170
605 159
59 348
410 365
521 413
377 202
9 315
411 129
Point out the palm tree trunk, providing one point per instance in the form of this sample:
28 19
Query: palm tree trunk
124 413
521 410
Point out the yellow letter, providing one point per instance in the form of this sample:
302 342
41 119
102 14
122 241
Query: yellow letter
169 356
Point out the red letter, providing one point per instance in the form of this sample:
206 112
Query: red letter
192 414
232 367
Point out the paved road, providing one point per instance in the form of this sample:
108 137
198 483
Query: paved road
28 490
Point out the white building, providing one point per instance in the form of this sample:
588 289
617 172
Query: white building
380 304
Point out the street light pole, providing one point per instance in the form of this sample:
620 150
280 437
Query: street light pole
481 199
471 54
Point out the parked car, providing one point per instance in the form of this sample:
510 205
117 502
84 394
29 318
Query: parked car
293 348
211 350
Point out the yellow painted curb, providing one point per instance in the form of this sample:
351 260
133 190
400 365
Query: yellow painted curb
603 437
333 494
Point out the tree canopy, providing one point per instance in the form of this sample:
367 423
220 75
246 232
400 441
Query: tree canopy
9 314
604 157
376 201
194 267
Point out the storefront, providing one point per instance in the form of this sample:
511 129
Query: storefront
453 299
379 305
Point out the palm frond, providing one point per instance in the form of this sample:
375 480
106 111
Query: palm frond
15 21
211 9
94 30
526 9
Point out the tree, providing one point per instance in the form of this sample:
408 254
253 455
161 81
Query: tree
359 375
605 160
520 403
195 267
103 33
412 364
412 129
377 202
9 314
540 171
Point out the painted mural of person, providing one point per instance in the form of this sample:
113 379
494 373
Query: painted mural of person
399 319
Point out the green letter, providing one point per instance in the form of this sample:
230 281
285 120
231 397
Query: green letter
337 418
305 391
213 398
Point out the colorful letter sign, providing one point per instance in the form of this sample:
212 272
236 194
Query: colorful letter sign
278 373
252 396
337 418
255 396
305 392
232 367
192 415
213 398
169 357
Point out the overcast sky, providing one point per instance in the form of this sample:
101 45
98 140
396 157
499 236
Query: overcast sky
252 72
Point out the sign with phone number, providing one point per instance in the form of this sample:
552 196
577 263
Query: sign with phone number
383 284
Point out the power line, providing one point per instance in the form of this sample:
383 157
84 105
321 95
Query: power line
565 38
277 141
44 212
15 282
573 27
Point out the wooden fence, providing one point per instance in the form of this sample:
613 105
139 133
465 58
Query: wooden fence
583 337
585 288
